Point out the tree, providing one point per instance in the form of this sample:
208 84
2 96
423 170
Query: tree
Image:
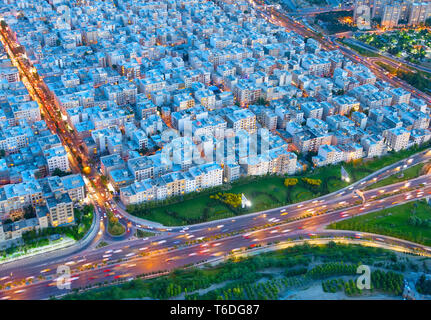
290 182
29 212
262 101
312 182
231 199
3 24
2 153
60 173
144 150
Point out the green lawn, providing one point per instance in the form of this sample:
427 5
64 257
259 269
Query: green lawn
265 192
410 173
395 221
189 210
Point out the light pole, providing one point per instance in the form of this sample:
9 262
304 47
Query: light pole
244 201
344 175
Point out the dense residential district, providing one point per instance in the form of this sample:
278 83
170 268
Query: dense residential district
108 105
133 81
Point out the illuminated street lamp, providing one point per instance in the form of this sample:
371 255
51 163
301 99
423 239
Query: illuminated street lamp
244 201
344 175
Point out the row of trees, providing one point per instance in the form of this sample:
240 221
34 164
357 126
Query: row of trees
330 269
423 285
349 287
389 282
243 277
240 290
333 285
415 221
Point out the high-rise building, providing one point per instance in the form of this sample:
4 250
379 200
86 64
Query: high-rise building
391 15
378 6
60 208
404 11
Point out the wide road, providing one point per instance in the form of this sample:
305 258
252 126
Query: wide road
28 267
177 249
420 157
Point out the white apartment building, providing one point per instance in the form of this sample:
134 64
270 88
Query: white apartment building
397 138
56 158
391 15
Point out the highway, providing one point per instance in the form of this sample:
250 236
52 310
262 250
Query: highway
194 244
218 229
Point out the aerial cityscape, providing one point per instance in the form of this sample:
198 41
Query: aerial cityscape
215 150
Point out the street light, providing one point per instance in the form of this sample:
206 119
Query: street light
244 201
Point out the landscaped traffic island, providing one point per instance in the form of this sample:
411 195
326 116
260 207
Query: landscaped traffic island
303 271
115 228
